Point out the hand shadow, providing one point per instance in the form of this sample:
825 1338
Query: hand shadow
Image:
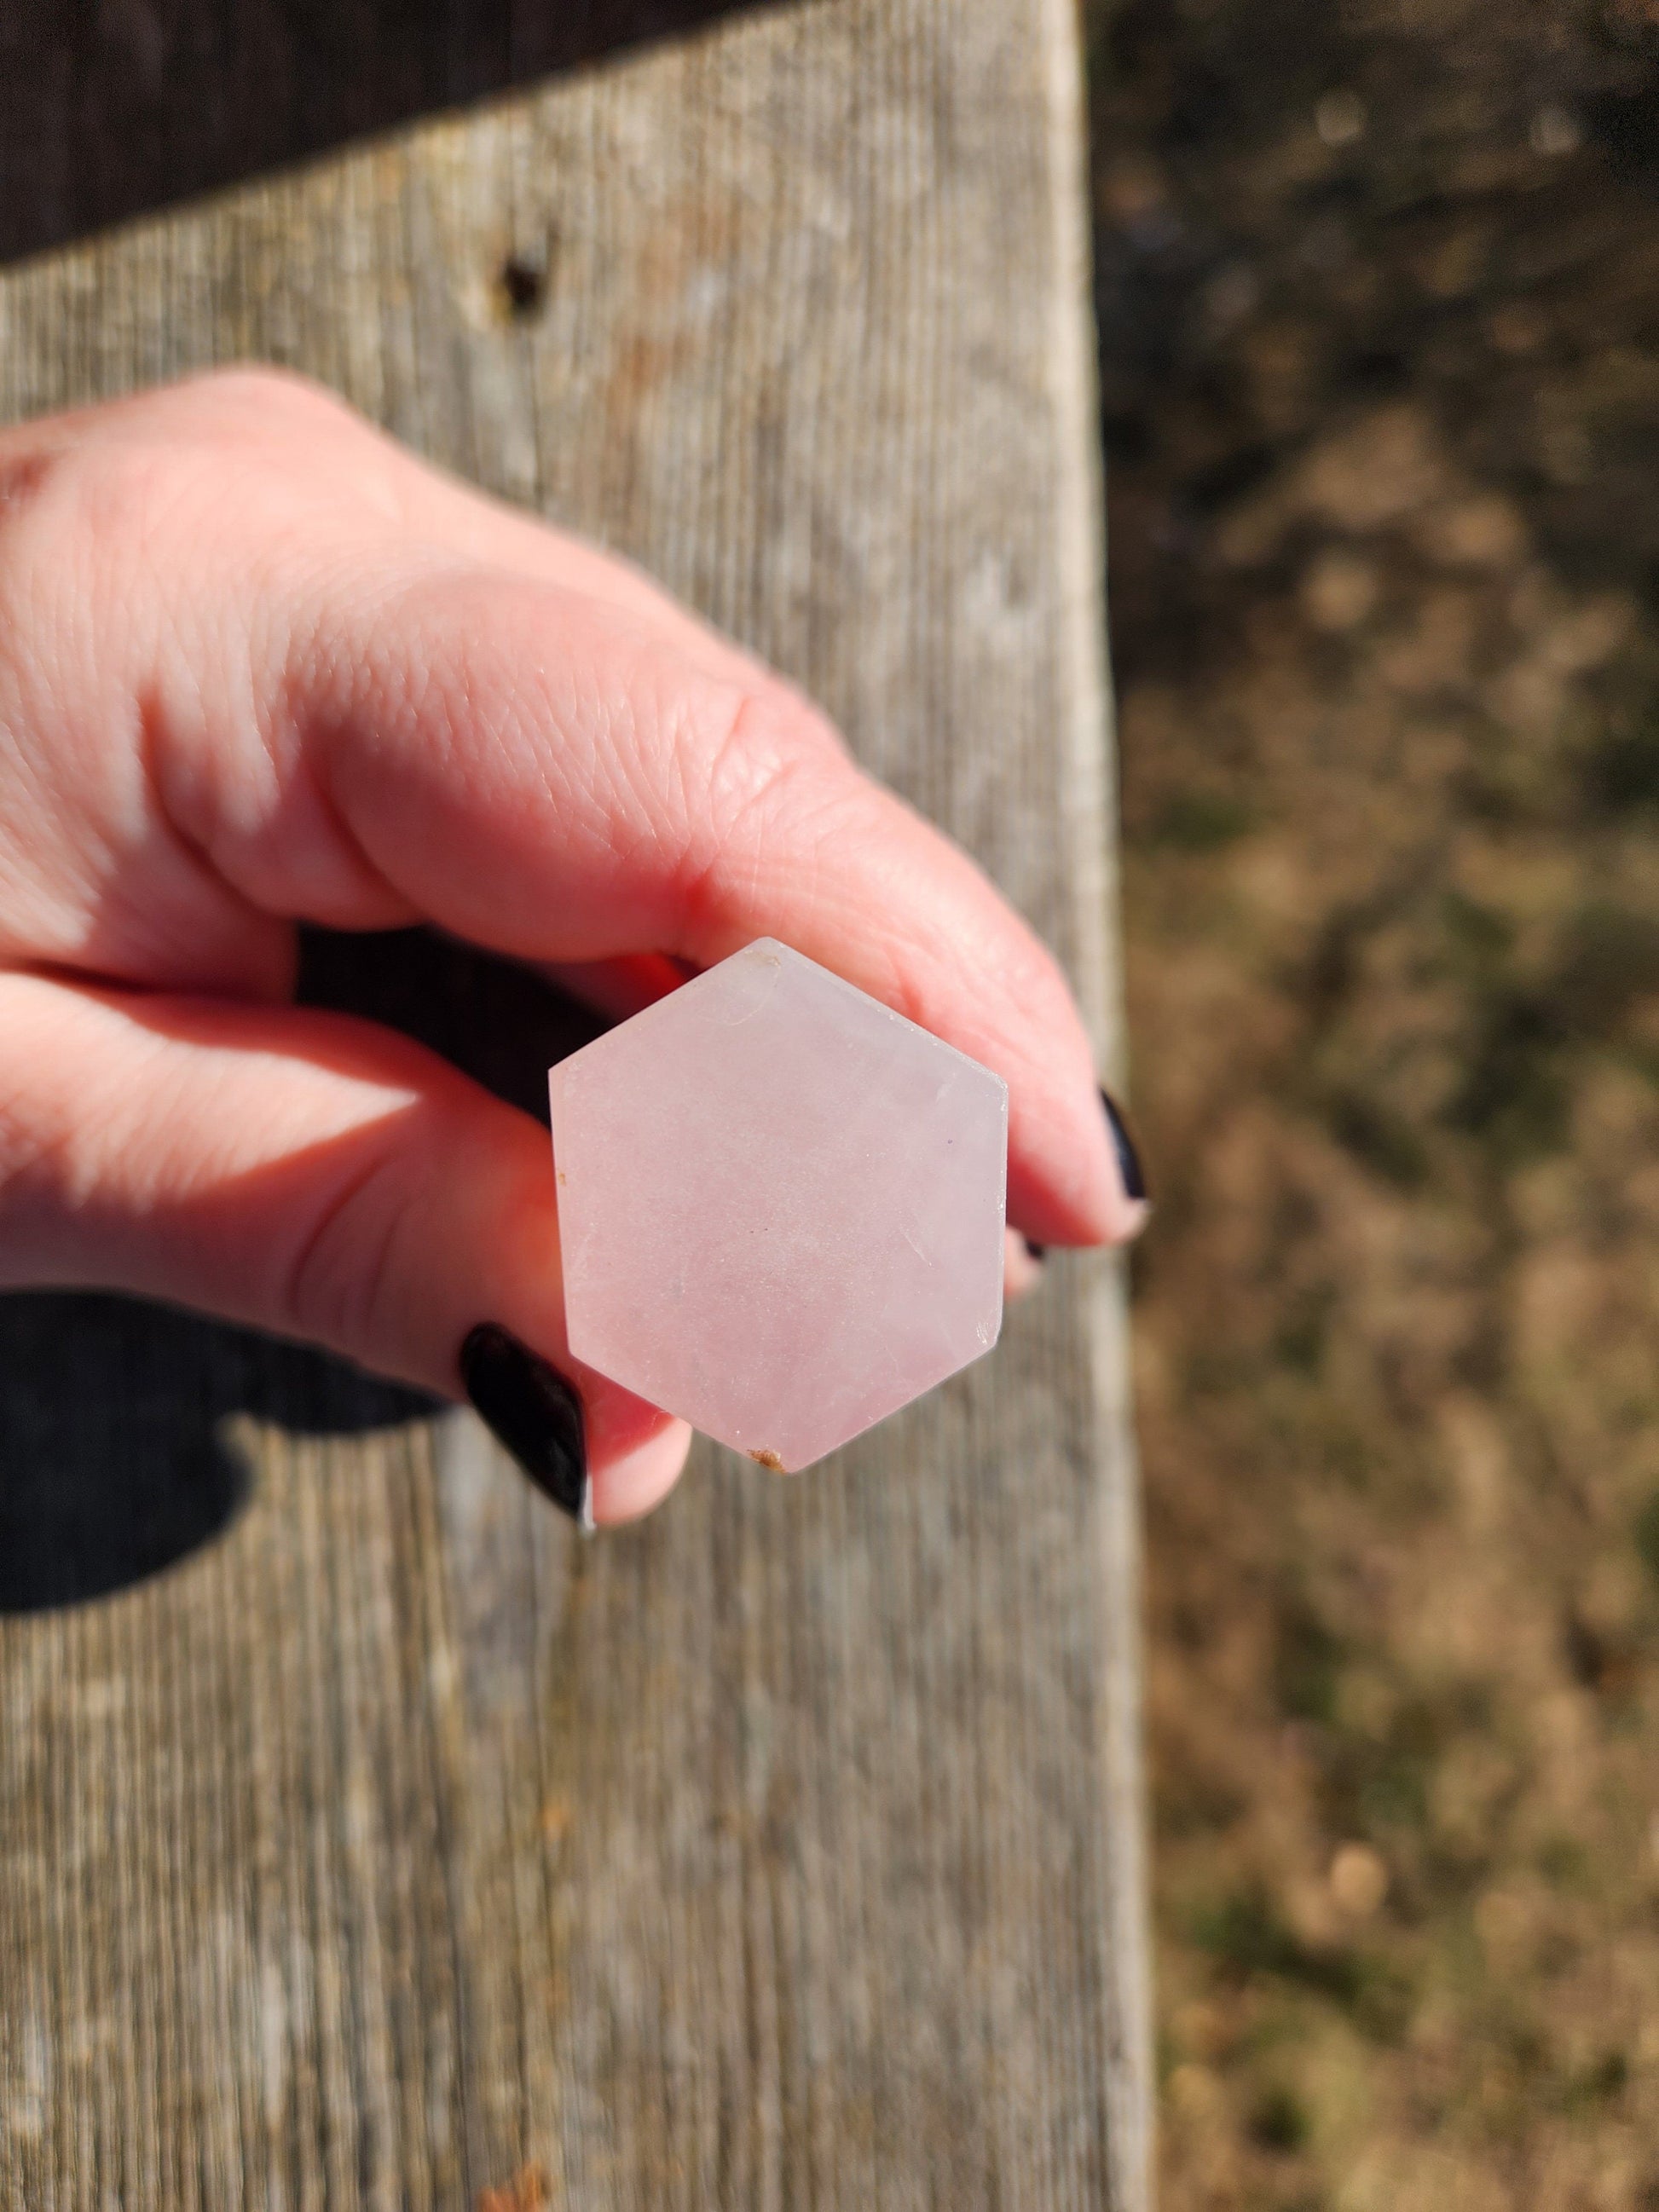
111 1463
108 111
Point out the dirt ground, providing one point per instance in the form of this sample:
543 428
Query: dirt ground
1379 297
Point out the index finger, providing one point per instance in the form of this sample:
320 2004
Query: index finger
551 777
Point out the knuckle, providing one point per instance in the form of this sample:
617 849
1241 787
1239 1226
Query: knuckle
238 449
774 715
338 1273
118 454
251 399
120 494
100 495
35 475
760 759
767 783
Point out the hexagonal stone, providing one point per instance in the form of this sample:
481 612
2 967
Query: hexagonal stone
781 1206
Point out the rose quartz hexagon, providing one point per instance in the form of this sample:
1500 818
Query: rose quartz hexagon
781 1206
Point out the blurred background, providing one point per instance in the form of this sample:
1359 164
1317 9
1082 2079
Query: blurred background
1379 306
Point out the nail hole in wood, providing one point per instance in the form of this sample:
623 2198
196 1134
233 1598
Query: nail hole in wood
523 287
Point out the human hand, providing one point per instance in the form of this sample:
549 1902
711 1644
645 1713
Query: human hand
259 666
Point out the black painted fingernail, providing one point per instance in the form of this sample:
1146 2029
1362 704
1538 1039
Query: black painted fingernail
530 1408
1038 1252
1128 1160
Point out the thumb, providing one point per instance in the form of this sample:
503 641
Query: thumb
321 1178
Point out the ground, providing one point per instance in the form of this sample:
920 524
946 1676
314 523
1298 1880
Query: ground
1379 298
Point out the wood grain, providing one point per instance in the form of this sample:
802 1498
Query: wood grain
396 1846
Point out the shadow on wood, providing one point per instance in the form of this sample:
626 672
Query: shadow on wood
109 109
112 1461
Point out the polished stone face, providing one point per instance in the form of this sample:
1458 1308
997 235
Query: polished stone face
781 1206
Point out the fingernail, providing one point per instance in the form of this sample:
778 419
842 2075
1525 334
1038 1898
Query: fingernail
1128 1160
529 1408
1038 1252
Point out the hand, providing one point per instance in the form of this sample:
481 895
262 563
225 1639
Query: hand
259 666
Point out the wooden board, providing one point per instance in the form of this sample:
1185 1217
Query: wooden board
394 1846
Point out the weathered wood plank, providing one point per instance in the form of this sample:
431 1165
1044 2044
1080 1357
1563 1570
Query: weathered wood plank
785 1850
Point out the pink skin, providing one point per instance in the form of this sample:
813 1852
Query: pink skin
259 666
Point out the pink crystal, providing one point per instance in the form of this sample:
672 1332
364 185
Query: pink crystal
781 1205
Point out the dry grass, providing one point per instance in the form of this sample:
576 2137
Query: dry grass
1380 302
